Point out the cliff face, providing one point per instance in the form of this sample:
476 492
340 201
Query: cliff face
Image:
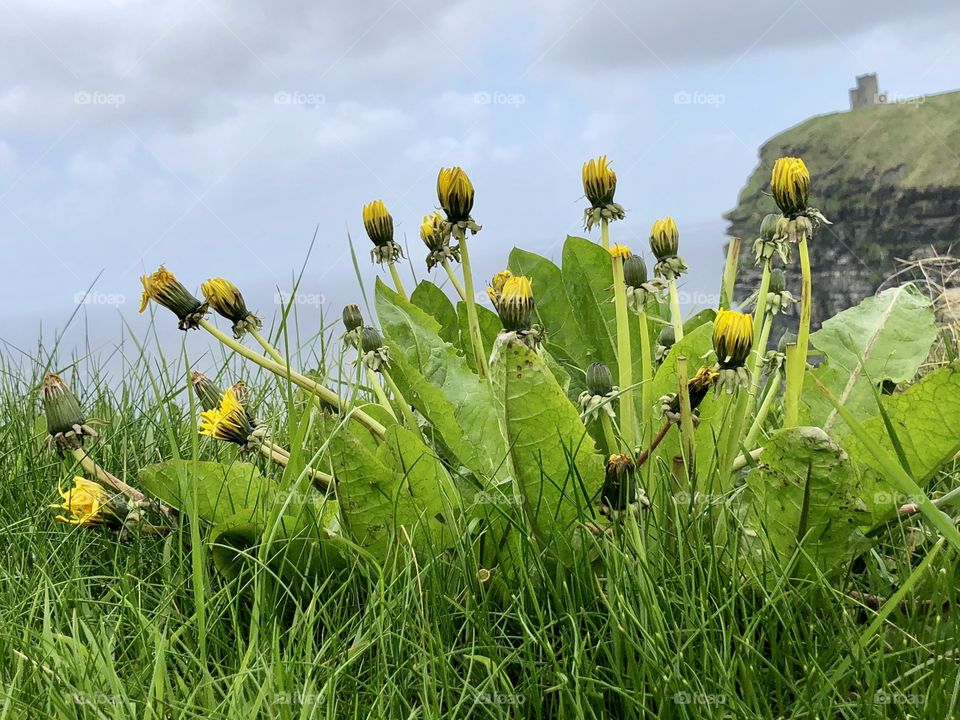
887 177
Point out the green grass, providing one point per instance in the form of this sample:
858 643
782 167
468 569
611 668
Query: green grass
95 626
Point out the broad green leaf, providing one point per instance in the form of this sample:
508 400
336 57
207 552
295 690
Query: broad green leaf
587 280
891 332
926 419
805 490
490 327
701 318
223 491
437 381
554 313
554 462
433 301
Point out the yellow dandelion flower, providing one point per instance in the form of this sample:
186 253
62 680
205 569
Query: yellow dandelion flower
620 251
229 422
378 223
790 183
86 503
496 286
664 238
515 305
163 288
224 297
455 193
732 338
599 181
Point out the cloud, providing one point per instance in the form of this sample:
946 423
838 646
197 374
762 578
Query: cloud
624 34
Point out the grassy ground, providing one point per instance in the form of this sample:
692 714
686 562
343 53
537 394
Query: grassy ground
92 626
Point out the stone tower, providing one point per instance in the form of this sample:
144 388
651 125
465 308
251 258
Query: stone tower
866 93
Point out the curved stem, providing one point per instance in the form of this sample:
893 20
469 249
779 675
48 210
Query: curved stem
106 478
675 315
374 382
475 338
396 280
324 393
774 386
453 279
280 456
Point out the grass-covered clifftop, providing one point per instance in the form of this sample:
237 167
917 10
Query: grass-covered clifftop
888 177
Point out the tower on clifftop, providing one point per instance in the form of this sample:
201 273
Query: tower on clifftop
866 93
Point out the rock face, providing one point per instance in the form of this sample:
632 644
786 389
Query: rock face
887 177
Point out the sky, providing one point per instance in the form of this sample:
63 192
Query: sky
222 138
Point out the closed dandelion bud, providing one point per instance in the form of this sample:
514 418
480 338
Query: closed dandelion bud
778 281
515 306
768 227
790 183
224 297
455 193
163 288
786 339
667 337
352 319
378 223
599 379
370 339
65 421
664 238
599 182
207 391
430 232
634 271
619 486
86 504
732 338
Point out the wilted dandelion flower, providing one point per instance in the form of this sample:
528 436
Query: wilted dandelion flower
65 419
732 342
207 391
697 388
163 288
770 242
224 297
86 504
790 183
619 485
599 187
437 241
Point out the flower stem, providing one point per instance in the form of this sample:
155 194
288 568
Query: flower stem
396 280
687 441
268 348
646 379
279 455
475 338
453 279
612 445
774 385
624 359
324 393
730 273
374 382
408 415
796 371
675 316
108 479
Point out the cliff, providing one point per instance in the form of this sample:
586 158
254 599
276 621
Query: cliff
887 176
